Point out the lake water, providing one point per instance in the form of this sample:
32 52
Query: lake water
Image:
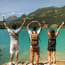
24 43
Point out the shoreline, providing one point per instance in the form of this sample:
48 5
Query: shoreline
58 62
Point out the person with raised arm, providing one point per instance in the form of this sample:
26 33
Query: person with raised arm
34 41
52 42
14 44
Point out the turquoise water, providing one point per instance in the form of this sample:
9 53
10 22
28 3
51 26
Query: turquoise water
24 43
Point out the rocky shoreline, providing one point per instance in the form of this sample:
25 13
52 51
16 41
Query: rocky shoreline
59 62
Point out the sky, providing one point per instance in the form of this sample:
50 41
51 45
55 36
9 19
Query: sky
19 7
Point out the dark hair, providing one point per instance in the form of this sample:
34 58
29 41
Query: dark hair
14 26
52 32
34 28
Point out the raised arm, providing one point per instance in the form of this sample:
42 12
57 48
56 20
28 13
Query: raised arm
5 23
22 24
46 27
33 22
59 29
28 26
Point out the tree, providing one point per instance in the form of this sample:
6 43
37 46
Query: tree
23 16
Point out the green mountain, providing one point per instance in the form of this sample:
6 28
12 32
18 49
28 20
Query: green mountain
11 19
52 15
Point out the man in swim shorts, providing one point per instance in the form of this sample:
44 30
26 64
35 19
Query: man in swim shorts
14 41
